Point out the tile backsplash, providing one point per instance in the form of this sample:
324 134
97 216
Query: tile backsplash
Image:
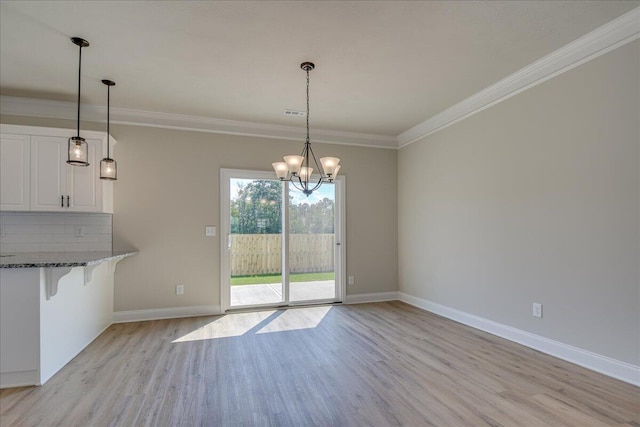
54 232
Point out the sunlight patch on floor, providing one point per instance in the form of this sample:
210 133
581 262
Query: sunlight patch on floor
231 325
264 322
296 319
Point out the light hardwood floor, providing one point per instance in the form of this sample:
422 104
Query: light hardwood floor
383 364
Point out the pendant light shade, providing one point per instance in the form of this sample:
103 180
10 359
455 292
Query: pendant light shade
299 169
78 150
330 165
108 169
108 166
281 169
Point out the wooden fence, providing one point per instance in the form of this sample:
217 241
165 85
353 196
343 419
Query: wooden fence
253 254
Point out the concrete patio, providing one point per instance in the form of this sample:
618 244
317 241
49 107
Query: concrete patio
271 293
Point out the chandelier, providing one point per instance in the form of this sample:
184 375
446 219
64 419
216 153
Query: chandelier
299 169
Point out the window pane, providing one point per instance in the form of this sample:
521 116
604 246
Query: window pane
312 244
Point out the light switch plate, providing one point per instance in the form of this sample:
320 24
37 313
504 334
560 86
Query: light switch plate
210 230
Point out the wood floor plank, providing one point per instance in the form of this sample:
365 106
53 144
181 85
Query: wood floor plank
383 364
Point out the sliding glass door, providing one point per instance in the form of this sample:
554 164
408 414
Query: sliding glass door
280 247
255 242
312 244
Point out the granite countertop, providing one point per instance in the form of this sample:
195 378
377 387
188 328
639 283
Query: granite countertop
59 259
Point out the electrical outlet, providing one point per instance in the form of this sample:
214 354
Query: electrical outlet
537 310
179 289
352 280
79 231
210 230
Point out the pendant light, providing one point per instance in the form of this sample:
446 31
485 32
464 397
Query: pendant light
299 169
78 150
108 166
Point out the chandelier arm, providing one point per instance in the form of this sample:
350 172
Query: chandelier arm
318 184
318 167
296 186
307 176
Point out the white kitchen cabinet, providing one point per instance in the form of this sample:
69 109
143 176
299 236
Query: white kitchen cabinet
14 172
49 173
84 186
58 186
52 185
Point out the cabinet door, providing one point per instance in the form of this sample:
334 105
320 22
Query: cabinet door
14 172
83 183
48 173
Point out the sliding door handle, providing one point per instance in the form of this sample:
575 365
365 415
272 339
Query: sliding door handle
62 201
67 201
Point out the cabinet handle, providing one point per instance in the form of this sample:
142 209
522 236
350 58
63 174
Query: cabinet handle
62 201
67 201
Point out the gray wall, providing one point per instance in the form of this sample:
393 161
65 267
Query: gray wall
168 189
535 199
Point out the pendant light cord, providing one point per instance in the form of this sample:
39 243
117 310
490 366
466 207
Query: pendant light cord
308 139
79 76
108 109
305 151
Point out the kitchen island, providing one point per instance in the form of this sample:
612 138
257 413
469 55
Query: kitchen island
52 305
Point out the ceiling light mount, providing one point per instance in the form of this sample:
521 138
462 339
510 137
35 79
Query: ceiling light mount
299 169
80 42
307 66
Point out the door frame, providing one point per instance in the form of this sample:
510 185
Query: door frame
340 248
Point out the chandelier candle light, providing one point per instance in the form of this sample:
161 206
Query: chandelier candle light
108 166
299 169
78 151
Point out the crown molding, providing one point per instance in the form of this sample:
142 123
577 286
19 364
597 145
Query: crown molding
31 107
606 38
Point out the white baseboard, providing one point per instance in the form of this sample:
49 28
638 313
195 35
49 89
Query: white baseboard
165 313
605 365
373 297
19 379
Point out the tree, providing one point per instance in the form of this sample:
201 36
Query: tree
257 210
317 218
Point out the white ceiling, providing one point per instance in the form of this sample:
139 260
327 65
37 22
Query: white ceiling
381 66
